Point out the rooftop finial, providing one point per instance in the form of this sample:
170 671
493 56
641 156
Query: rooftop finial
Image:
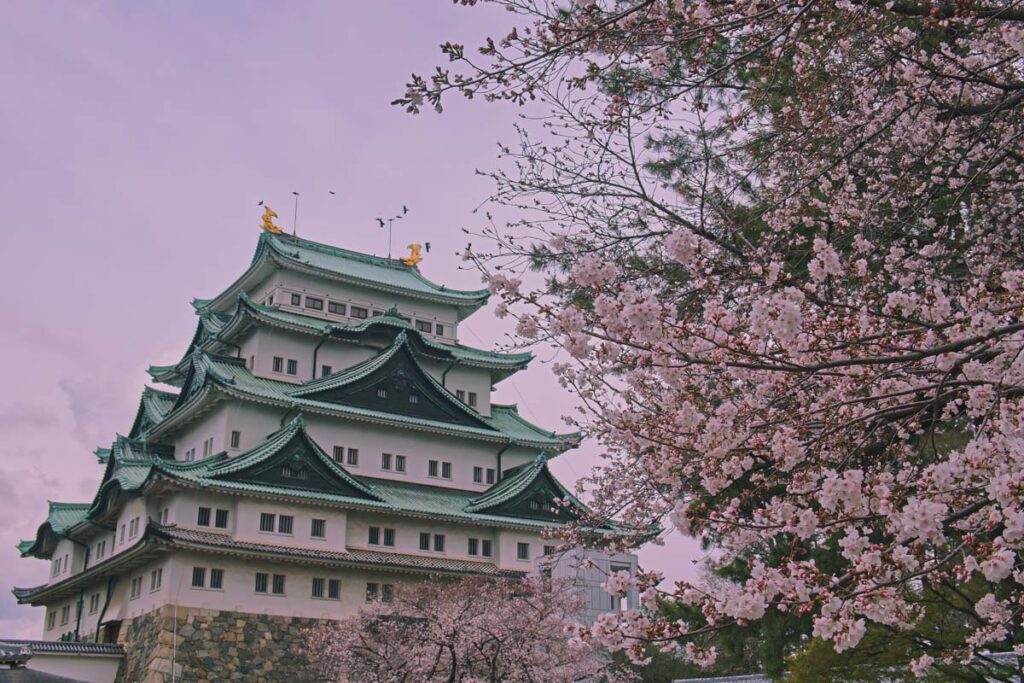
415 255
267 223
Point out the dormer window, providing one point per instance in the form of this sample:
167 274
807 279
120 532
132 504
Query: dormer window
314 303
382 392
414 398
359 312
289 472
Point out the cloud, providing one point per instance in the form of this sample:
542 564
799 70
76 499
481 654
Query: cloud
26 416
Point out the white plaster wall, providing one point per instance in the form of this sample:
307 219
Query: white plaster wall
87 668
134 507
247 526
74 554
507 545
212 424
407 535
467 379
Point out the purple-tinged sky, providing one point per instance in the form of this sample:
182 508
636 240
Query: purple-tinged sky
135 141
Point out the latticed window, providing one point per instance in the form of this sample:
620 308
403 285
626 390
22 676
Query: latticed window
446 470
389 537
318 588
261 582
284 524
424 541
374 535
267 521
334 589
523 551
217 578
204 517
221 520
277 586
318 528
387 592
399 463
198 577
474 546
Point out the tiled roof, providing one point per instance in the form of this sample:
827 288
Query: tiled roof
515 482
361 557
64 515
66 647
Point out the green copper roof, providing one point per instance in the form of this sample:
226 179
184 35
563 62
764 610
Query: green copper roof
153 408
518 481
230 375
60 517
102 455
217 328
363 270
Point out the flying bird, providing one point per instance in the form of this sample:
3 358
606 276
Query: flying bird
404 210
380 222
427 245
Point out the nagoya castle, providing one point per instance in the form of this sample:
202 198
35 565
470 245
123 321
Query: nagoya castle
323 442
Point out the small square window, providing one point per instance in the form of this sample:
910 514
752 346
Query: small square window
334 589
318 588
374 535
236 438
334 307
261 582
523 551
278 364
217 579
478 475
284 524
432 468
359 312
439 543
221 520
353 457
293 366
204 517
318 528
425 326
385 461
399 463
277 586
389 538
326 370
424 541
485 548
472 398
296 299
314 303
474 546
267 521
446 470
198 577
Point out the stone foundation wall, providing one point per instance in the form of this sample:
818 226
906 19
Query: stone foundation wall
211 645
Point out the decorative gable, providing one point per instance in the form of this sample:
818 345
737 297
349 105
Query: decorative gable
393 382
529 491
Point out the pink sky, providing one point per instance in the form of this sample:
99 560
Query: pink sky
136 140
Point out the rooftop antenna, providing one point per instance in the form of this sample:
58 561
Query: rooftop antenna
295 218
390 221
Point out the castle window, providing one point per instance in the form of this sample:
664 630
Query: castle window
65 614
261 582
523 551
198 577
374 535
136 587
382 392
439 329
485 548
217 579
51 620
414 398
387 592
277 585
549 550
267 521
278 364
478 475
439 543
432 468
121 541
474 546
359 312
318 588
339 454
377 313
318 528
293 366
289 472
334 589
424 541
221 520
472 398
399 463
296 299
389 538
446 470
372 590
424 326
94 604
534 505
460 394
314 303
334 307
236 438
156 577
490 475
385 461
203 519
284 524
353 457
326 370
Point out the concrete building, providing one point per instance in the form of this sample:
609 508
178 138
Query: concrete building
323 441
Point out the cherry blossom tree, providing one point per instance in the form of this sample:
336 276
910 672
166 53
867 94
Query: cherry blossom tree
781 245
471 630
